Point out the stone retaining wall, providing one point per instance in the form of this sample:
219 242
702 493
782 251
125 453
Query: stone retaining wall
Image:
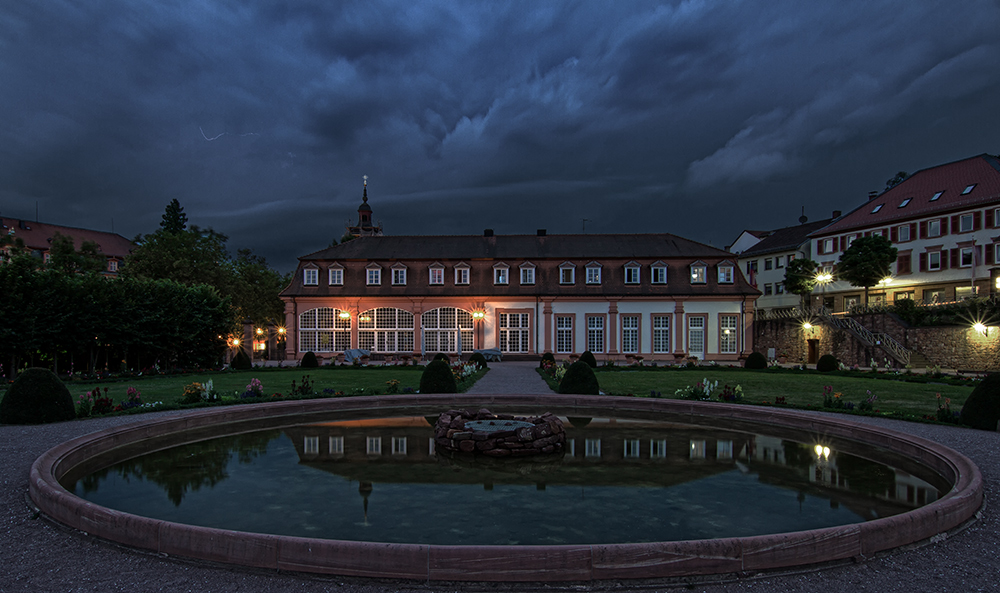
544 434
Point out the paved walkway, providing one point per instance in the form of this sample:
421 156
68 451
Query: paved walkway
511 377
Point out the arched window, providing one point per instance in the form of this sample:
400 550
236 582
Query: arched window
385 329
324 330
444 327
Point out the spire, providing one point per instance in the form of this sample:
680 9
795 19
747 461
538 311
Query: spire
365 225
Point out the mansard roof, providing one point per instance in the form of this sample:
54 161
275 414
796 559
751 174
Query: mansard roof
518 247
949 182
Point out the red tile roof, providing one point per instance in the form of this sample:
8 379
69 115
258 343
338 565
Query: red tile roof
982 172
37 236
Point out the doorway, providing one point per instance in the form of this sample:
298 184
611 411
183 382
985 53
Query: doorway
812 353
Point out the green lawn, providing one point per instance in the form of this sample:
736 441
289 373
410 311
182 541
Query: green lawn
168 388
799 388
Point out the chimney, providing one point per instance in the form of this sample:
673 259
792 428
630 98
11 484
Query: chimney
488 232
836 213
540 232
872 195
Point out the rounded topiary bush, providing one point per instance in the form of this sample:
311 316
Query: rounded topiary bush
580 380
478 359
442 356
241 361
438 378
309 361
548 356
755 361
827 363
37 396
588 357
982 409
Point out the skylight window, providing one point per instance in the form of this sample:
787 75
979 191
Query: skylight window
904 203
877 208
968 190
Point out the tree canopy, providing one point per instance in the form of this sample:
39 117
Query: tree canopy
867 261
800 277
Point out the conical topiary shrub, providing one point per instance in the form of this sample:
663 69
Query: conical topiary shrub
37 396
982 409
588 357
241 361
580 380
438 378
755 361
309 360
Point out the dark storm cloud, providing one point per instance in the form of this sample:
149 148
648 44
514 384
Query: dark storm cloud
262 117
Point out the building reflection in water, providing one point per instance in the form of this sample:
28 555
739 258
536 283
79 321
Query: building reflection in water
610 452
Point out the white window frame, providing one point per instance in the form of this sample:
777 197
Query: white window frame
965 223
567 274
399 276
595 334
827 246
632 274
373 276
399 445
661 334
966 255
699 274
779 262
657 448
593 274
310 277
112 265
527 275
336 276
931 266
726 274
564 334
500 276
310 445
931 224
658 274
729 343
630 448
630 333
373 445
435 276
461 275
592 447
899 233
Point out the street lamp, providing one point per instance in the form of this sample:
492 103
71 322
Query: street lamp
823 278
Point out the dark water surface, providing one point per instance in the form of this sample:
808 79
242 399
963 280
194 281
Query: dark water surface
619 481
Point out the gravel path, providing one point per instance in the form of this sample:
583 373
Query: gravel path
36 555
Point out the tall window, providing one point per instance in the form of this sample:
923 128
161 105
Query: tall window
399 276
437 276
514 332
696 336
966 257
631 448
631 274
336 445
630 334
728 336
310 276
965 223
564 334
373 445
904 233
461 275
527 275
444 327
499 275
934 260
324 330
399 445
661 334
386 329
595 334
593 275
374 276
336 276
934 228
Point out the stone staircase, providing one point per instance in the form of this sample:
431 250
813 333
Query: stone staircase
883 341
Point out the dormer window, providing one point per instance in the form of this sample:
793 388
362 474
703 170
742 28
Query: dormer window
659 273
462 274
726 273
310 276
336 275
399 275
632 273
500 273
567 273
698 273
527 273
112 265
373 275
436 274
593 273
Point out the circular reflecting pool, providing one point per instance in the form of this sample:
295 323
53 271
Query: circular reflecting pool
619 481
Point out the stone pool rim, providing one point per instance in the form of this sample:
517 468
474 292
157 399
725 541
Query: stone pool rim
737 555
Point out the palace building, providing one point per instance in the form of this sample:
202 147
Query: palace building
655 296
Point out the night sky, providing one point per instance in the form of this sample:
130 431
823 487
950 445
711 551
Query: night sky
694 118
